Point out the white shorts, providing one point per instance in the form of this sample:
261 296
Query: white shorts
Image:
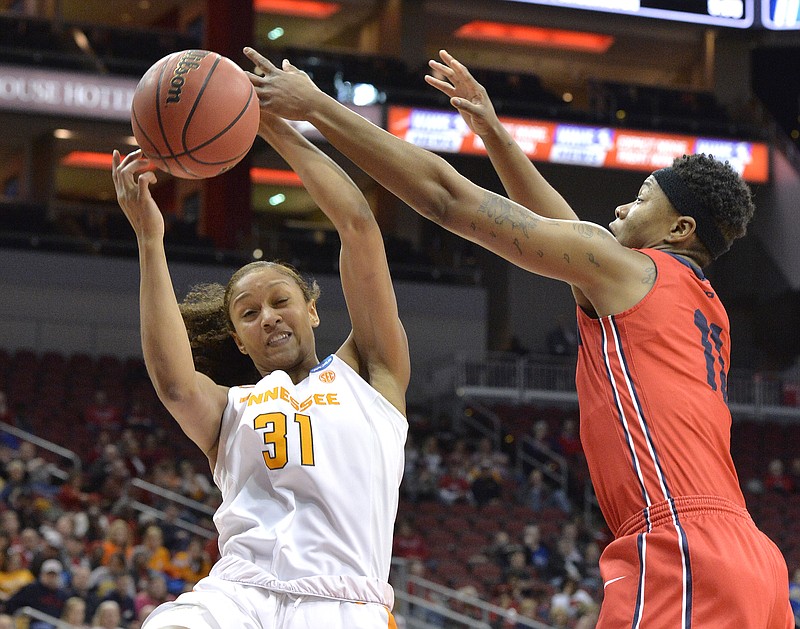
219 604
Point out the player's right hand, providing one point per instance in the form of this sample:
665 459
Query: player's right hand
468 96
133 175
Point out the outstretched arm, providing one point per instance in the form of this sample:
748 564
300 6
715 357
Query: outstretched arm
192 398
377 347
521 179
582 254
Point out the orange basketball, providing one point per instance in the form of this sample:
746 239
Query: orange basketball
195 114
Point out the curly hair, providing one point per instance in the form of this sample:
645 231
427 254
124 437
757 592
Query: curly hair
207 318
720 188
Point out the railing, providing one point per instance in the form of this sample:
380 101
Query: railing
73 458
172 496
420 601
527 380
29 613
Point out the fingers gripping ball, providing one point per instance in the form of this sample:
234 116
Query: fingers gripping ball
195 114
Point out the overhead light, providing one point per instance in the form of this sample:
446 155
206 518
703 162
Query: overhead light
275 33
297 8
63 134
535 36
277 199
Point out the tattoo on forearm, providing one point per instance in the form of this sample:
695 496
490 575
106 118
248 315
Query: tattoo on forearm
473 226
566 257
591 258
503 211
517 245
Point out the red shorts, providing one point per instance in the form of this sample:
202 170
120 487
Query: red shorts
707 568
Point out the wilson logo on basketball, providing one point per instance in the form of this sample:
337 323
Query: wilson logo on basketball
327 376
188 61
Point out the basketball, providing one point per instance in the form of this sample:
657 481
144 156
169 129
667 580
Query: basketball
195 114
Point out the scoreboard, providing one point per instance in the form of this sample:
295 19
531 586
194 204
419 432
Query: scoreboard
729 13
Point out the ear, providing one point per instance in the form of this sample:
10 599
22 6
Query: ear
238 342
682 230
312 314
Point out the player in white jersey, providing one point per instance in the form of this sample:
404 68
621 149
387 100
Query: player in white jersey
308 455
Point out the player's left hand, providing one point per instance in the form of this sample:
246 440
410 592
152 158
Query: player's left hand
287 91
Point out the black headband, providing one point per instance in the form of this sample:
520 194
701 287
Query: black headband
687 204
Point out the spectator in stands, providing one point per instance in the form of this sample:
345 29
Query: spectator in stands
653 336
124 595
454 486
17 483
537 554
265 335
562 339
51 546
139 418
487 455
107 616
539 448
38 471
103 578
46 594
175 537
154 593
501 548
71 495
486 484
776 479
30 543
118 540
144 612
102 467
152 547
130 451
192 564
571 600
519 574
408 542
538 494
74 613
13 574
193 484
79 586
568 441
102 415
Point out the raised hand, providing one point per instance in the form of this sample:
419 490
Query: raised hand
468 96
132 176
286 91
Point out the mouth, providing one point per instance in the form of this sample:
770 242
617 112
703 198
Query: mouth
278 338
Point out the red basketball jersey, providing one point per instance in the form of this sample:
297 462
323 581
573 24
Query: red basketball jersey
652 387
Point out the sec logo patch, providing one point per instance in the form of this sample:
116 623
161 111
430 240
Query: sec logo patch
327 376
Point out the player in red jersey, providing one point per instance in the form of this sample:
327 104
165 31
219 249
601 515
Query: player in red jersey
654 347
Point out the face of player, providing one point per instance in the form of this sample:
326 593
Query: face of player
273 323
646 221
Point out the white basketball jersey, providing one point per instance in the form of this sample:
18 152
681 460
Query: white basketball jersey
310 476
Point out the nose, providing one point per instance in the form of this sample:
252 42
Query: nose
269 318
622 210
